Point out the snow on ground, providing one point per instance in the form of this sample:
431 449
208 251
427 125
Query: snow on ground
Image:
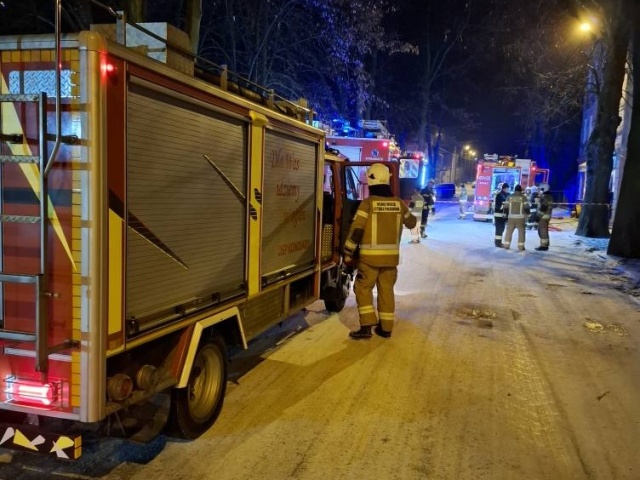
623 272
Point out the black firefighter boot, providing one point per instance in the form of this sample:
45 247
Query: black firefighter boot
381 333
364 333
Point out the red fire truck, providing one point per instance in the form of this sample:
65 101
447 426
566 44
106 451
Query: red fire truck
150 220
494 171
413 173
370 142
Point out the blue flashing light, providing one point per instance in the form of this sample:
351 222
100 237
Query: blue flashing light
423 176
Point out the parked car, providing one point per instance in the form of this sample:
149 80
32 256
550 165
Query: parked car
445 190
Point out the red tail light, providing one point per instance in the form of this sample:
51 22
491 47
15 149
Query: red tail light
32 392
108 69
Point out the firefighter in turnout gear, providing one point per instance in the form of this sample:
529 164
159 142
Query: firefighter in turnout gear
517 208
499 215
376 230
429 197
544 217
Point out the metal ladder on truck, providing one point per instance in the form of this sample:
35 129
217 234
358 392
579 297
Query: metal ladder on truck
40 281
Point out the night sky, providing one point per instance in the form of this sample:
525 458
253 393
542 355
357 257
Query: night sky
470 103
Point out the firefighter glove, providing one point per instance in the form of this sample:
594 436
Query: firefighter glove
348 261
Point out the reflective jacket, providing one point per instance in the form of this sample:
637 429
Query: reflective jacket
517 206
376 228
501 199
534 203
429 197
546 206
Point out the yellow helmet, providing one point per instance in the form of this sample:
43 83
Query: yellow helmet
378 174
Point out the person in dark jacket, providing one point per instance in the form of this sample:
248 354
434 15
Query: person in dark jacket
429 197
544 217
499 214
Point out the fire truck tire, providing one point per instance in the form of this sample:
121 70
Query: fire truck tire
337 302
197 406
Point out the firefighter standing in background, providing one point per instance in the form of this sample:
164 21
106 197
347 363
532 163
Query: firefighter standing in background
463 198
376 229
517 208
415 205
544 217
429 197
499 215
534 201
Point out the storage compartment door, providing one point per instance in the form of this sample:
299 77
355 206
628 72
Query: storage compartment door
186 225
288 228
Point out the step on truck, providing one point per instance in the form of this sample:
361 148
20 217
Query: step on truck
150 221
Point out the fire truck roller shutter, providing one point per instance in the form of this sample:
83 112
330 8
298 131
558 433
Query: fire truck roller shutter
186 237
288 228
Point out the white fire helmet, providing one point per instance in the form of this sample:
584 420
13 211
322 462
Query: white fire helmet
378 174
534 189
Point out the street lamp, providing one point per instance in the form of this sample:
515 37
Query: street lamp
586 27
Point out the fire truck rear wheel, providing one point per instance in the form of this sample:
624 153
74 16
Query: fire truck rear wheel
197 406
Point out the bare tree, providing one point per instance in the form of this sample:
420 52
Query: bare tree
312 48
616 34
439 64
193 19
625 235
547 76
134 11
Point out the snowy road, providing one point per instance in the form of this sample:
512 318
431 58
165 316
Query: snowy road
503 365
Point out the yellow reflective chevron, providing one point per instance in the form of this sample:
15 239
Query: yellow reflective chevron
59 446
22 441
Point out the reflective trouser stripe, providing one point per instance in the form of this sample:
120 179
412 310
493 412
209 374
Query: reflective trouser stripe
366 309
368 277
386 321
543 231
512 224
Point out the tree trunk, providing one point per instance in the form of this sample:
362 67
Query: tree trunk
625 236
193 17
424 131
134 11
594 219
